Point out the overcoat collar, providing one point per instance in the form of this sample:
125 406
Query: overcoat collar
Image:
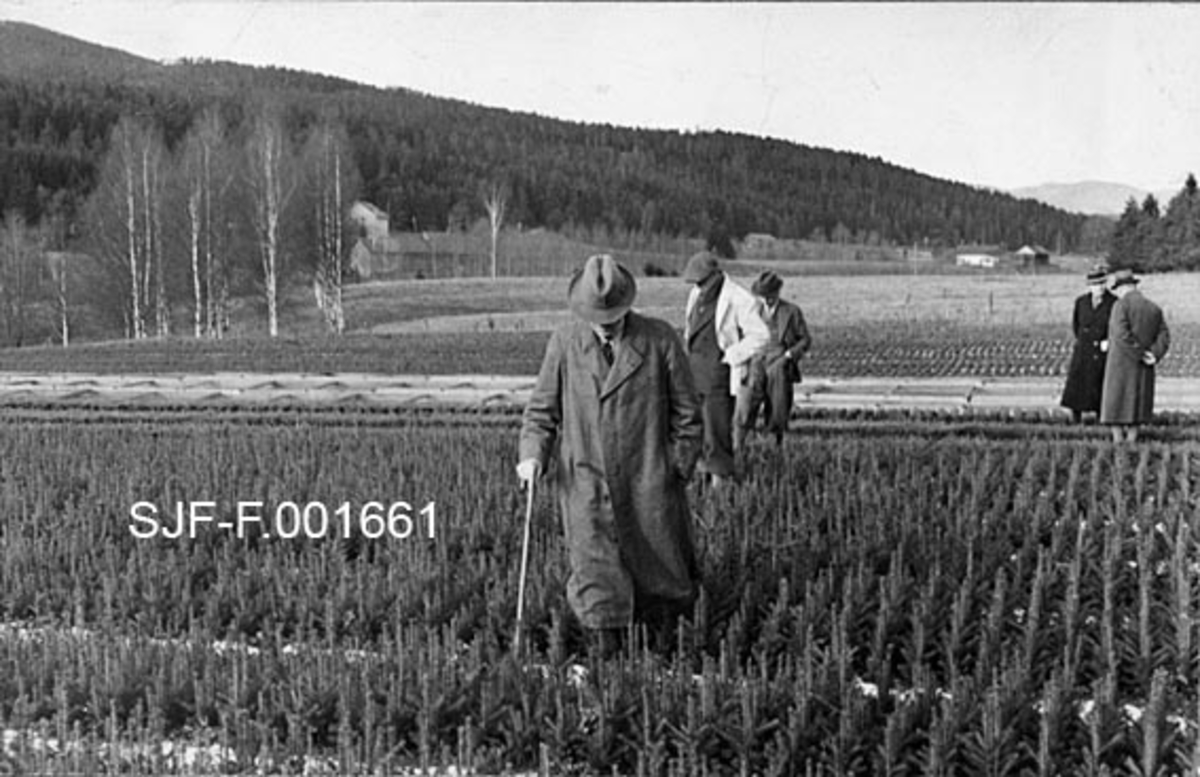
629 353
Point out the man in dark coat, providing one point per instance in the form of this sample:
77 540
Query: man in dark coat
722 333
1138 339
615 397
1089 323
775 371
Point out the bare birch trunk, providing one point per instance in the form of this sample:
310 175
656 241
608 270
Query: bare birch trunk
146 237
162 306
339 313
62 307
194 231
494 201
269 193
135 295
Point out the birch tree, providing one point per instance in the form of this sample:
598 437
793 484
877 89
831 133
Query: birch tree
124 221
207 179
270 176
333 183
57 264
495 199
19 276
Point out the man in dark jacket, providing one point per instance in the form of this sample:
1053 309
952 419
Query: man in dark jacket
1138 339
722 333
775 371
615 397
1089 323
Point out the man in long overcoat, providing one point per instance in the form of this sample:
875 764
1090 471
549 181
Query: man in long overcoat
775 371
1138 339
615 396
1089 324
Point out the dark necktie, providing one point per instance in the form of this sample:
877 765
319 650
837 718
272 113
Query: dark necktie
606 349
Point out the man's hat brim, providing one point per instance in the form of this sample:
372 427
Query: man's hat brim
700 267
596 307
1124 277
767 284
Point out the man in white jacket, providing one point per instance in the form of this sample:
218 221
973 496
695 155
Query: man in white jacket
724 331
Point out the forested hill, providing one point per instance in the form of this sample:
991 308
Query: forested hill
426 159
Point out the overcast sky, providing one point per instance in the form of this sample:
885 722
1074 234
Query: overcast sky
991 94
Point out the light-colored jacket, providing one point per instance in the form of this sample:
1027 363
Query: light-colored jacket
741 332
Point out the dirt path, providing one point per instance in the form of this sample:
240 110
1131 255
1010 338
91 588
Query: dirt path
224 389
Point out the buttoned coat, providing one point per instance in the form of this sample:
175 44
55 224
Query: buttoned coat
625 443
1135 327
789 332
741 332
1085 375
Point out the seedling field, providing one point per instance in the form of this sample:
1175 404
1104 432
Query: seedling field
924 599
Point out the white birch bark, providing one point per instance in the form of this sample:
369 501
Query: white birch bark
494 201
267 170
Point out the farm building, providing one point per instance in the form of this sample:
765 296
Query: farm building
1033 256
985 256
758 242
976 260
420 255
372 221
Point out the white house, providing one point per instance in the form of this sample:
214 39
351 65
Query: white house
372 221
975 260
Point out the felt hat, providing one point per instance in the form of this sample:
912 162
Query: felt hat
602 291
1123 277
767 284
700 266
1097 274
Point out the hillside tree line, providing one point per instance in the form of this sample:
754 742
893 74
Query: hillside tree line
425 159
1148 239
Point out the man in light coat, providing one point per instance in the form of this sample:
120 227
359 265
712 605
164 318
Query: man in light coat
1138 339
615 397
724 331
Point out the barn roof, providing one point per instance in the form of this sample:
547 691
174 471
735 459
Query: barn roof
372 209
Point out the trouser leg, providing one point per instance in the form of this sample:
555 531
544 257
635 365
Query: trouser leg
782 394
746 405
751 398
717 410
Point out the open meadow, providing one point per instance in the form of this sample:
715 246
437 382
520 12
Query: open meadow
299 589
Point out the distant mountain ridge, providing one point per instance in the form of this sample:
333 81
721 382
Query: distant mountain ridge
1094 198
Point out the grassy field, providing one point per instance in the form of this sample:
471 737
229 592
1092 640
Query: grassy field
997 300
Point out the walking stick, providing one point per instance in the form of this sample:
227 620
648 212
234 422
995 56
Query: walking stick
524 567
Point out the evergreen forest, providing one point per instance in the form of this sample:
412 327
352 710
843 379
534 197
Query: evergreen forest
424 159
